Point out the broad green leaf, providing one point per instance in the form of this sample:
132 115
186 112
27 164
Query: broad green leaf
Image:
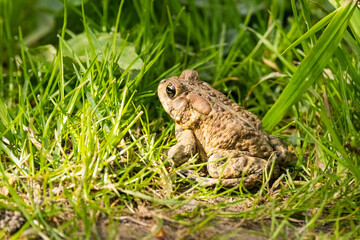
312 65
81 47
43 56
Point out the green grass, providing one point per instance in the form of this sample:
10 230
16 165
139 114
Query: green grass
79 111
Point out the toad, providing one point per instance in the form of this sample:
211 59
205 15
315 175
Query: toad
224 135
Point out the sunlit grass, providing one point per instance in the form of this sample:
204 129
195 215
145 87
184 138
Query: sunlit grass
82 127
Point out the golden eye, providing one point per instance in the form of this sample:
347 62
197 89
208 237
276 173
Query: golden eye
170 90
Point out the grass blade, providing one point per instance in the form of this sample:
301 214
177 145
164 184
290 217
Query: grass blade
312 65
354 21
319 25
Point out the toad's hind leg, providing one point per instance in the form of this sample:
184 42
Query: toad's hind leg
234 167
234 164
247 181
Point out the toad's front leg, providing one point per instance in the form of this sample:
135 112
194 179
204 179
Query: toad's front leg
185 147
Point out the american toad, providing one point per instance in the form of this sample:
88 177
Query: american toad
225 135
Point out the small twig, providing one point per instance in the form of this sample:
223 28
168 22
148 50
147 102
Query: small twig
131 219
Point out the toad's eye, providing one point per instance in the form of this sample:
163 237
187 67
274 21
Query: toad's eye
170 90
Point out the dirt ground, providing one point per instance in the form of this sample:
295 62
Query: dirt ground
149 223
165 224
193 220
218 229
